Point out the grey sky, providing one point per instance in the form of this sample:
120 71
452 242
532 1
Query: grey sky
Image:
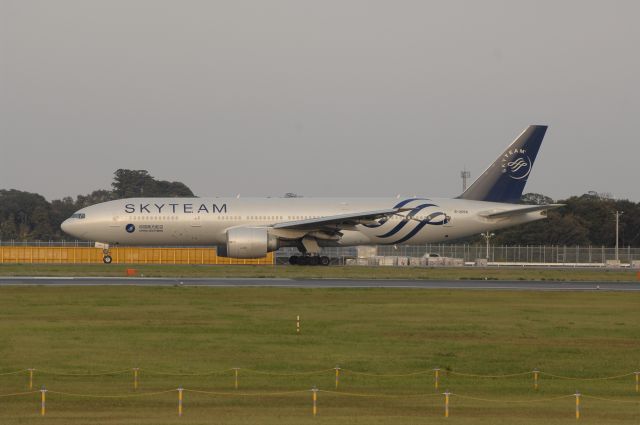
323 98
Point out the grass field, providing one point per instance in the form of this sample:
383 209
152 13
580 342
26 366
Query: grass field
296 272
381 331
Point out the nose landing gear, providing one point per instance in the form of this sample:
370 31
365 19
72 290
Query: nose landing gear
106 254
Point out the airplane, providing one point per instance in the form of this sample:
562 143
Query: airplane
253 227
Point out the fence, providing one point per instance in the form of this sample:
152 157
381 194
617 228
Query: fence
497 253
437 375
61 254
198 255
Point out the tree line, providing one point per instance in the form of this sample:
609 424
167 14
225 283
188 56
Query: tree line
583 220
588 219
26 216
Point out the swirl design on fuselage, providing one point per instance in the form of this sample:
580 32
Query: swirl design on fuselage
437 218
398 205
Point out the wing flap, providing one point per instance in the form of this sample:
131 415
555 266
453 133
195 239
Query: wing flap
340 221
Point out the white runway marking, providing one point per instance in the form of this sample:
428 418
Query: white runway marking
323 283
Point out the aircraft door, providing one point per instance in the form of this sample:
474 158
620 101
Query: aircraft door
115 221
196 227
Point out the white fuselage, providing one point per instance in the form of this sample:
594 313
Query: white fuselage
205 221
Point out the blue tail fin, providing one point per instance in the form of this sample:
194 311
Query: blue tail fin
505 179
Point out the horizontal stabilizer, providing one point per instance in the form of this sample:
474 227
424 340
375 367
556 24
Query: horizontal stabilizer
498 213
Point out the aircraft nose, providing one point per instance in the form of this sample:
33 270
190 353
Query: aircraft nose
66 226
70 227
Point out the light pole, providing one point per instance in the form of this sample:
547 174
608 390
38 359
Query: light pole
465 175
618 214
487 237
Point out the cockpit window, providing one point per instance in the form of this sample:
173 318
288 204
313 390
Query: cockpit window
78 215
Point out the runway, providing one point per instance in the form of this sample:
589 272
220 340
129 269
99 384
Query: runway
323 283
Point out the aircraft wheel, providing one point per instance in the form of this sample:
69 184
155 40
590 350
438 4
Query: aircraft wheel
106 259
324 260
293 260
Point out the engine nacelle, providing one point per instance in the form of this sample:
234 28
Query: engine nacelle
248 242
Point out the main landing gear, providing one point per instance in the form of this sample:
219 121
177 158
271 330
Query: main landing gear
310 250
309 260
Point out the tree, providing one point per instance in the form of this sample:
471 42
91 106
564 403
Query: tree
25 215
138 183
22 205
61 209
42 229
629 222
584 220
536 199
172 189
8 228
557 229
95 197
131 183
597 216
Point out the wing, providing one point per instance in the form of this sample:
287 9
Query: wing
497 213
335 223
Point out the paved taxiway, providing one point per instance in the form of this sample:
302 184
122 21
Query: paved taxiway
324 283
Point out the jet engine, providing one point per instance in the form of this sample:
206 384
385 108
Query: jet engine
248 242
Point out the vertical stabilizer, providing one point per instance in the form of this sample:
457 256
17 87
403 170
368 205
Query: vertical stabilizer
505 179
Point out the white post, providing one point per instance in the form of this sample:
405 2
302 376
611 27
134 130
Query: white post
617 233
487 237
618 214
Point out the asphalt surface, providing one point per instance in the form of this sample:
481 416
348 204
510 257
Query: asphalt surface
324 283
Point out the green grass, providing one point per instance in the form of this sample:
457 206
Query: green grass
393 331
297 272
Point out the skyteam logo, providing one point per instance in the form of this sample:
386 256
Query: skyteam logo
130 228
516 164
436 218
